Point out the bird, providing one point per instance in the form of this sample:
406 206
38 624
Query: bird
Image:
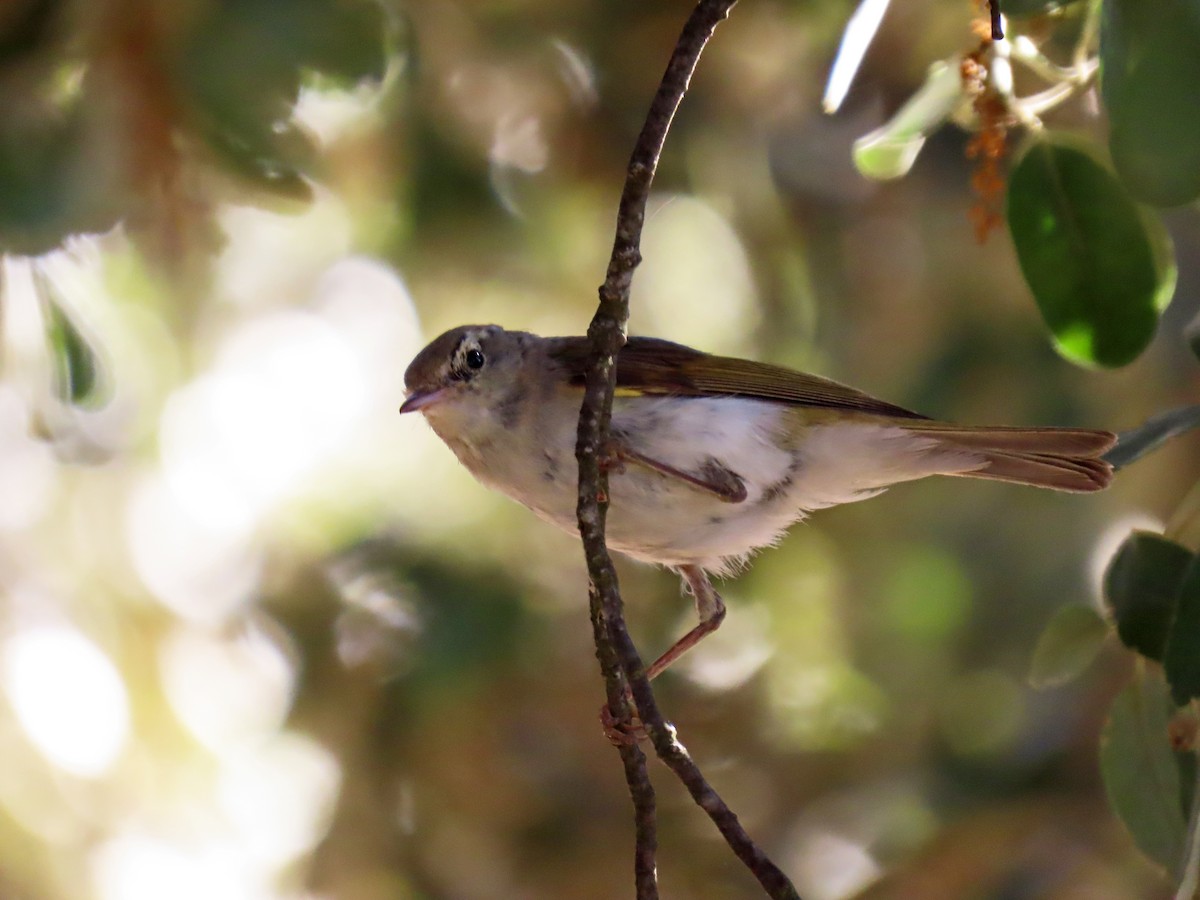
711 458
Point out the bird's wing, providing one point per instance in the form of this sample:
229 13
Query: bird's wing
657 367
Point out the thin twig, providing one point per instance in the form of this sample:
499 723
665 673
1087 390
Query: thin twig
641 791
997 25
619 660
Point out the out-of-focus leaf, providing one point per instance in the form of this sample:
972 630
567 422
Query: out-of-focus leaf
52 182
1134 444
1067 646
1018 8
78 369
890 151
1150 79
26 26
1141 586
261 165
345 37
242 67
1142 774
1181 660
1184 524
1101 272
32 214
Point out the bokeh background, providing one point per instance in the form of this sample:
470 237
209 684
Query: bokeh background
260 637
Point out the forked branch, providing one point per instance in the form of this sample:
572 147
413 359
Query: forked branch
624 672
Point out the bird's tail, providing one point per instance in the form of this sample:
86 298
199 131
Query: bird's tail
1063 459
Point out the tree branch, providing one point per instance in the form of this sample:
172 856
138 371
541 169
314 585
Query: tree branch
994 15
641 791
624 672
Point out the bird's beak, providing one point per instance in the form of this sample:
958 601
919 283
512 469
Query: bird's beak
422 399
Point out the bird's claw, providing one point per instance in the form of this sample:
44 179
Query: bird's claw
622 733
611 458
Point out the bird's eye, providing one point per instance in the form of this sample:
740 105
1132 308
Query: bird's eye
475 358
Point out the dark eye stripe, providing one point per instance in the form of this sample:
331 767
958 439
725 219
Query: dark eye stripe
464 363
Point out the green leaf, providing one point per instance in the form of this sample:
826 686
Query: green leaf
1141 586
1101 272
890 151
1067 646
1181 660
242 67
1134 444
50 185
261 161
345 39
1150 80
78 371
1143 776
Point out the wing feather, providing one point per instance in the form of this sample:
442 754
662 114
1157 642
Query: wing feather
658 367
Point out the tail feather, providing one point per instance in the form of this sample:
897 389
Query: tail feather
1063 459
1060 473
1083 442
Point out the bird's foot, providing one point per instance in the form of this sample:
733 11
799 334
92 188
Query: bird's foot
626 733
612 458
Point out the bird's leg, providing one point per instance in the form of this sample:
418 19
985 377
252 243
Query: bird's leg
709 606
711 609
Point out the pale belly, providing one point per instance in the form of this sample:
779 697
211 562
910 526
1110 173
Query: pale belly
787 467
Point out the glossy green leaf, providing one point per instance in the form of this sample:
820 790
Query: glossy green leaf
1132 445
1150 82
1143 777
1140 587
1181 660
1101 272
1067 646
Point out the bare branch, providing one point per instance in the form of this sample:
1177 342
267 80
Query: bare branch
994 15
641 791
624 672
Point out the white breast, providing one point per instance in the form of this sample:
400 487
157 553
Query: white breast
787 469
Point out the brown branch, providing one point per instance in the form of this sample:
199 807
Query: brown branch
997 27
624 672
641 791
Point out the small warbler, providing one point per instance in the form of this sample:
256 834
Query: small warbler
710 457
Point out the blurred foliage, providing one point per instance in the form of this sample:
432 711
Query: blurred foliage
1152 795
264 639
1068 645
1141 586
1101 269
1149 80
